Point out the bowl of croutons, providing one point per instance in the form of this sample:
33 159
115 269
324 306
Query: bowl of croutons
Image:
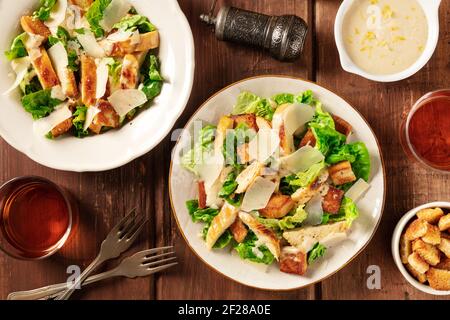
421 247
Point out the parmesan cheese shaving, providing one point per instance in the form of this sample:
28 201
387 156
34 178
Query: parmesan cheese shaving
357 190
263 145
58 93
60 61
210 168
301 159
90 44
58 14
314 210
258 194
20 67
90 115
43 126
73 18
296 116
119 36
113 13
125 100
102 76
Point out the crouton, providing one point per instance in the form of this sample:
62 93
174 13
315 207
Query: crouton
444 246
201 194
430 215
418 228
293 261
246 177
416 261
263 123
439 279
221 223
242 153
148 41
279 205
444 264
421 277
107 117
342 173
405 248
342 126
433 236
88 80
83 4
62 128
238 230
444 222
308 139
129 74
428 252
248 119
35 27
332 200
225 123
44 69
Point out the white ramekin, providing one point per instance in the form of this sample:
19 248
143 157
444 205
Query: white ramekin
395 247
431 9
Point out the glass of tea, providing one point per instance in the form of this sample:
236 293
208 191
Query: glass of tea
36 217
426 131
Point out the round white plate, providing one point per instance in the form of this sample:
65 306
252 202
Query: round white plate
182 188
117 147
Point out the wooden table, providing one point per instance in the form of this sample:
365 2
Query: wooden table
104 197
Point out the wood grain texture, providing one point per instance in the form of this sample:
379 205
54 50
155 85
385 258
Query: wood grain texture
105 197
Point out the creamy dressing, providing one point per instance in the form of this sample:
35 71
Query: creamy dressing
385 36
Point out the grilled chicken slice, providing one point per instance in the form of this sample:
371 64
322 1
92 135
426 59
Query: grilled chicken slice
107 117
248 119
148 41
238 230
303 195
265 235
62 128
130 72
88 80
221 223
279 205
262 123
34 26
246 177
44 69
332 200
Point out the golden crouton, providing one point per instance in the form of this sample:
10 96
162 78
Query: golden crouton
342 126
430 215
88 80
428 252
248 119
444 264
279 205
444 222
262 123
106 118
293 261
439 279
342 173
308 139
34 26
405 248
44 69
225 123
433 236
416 261
421 277
444 246
62 128
418 228
130 72
238 230
83 4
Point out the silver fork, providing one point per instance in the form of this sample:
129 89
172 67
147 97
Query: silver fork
141 264
119 239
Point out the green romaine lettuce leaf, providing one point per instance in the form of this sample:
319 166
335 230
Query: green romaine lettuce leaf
291 221
246 251
327 138
135 22
63 36
153 81
79 118
204 144
43 13
229 186
283 98
234 138
323 118
40 104
316 252
249 103
95 14
357 154
307 97
17 48
304 179
347 212
30 83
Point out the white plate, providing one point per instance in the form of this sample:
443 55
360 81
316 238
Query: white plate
117 147
182 188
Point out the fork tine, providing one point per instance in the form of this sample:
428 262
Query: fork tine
160 262
136 230
159 256
148 252
128 226
157 269
124 221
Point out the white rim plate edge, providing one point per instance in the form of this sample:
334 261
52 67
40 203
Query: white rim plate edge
178 25
248 274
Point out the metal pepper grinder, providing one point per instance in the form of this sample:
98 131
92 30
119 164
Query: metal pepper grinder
283 36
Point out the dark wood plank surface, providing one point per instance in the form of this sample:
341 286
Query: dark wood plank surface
105 197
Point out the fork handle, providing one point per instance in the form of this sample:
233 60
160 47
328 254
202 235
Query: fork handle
56 289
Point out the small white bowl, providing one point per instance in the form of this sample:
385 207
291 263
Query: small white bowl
431 10
395 247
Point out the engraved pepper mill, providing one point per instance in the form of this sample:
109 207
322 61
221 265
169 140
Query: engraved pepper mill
283 36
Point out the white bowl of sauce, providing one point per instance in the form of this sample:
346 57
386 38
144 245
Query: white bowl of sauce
385 40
